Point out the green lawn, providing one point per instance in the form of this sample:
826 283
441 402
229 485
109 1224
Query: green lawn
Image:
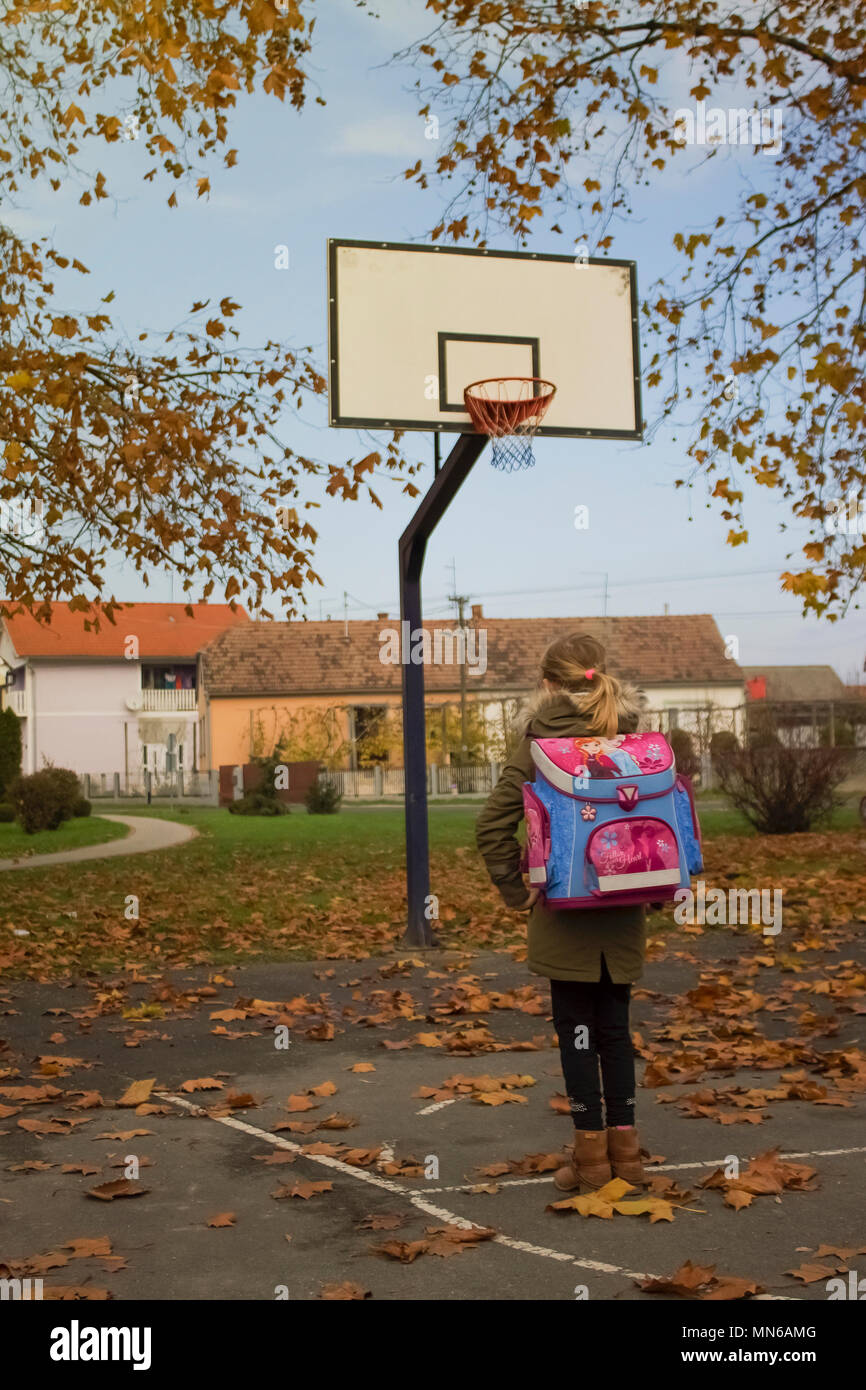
83 830
334 886
450 823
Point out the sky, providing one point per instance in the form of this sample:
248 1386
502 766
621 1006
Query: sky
509 542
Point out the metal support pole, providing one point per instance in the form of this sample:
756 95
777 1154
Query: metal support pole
413 544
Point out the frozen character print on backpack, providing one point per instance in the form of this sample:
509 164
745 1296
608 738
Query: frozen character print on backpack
605 757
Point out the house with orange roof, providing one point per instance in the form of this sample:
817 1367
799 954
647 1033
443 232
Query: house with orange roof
110 696
324 686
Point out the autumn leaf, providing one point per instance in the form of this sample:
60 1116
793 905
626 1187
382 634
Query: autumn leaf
382 1221
124 1134
738 1199
813 1273
85 1247
295 1104
700 1282
137 1093
404 1251
303 1190
653 1207
122 1187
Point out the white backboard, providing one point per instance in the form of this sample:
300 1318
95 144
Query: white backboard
411 326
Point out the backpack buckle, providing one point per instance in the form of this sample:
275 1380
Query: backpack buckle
628 797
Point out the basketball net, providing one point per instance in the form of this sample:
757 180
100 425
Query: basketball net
509 409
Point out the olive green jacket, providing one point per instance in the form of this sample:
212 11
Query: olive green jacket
567 944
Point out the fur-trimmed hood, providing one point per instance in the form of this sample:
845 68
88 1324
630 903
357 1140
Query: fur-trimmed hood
545 711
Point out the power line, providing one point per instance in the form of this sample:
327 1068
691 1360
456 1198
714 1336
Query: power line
441 599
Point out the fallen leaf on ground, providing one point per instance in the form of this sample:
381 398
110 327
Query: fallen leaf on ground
382 1221
404 1251
124 1134
294 1104
84 1246
121 1187
304 1190
137 1093
811 1274
700 1282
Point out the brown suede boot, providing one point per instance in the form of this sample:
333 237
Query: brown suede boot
624 1149
589 1168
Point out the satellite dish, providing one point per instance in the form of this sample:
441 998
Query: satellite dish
133 702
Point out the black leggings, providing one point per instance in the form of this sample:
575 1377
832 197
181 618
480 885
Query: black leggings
591 1021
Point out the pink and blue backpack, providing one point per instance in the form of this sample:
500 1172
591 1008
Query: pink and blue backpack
609 821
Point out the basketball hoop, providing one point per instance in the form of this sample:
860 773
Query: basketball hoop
509 409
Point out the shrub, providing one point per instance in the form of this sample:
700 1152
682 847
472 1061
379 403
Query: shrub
684 752
10 748
45 799
323 799
783 790
722 743
258 803
82 807
262 799
763 732
7 813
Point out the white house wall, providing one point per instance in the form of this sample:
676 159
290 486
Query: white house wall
80 714
689 700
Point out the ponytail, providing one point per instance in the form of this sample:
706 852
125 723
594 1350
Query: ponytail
576 662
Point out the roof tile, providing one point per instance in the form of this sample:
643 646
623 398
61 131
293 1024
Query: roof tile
162 629
307 658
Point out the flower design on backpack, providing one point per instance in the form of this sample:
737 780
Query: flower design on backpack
609 839
588 812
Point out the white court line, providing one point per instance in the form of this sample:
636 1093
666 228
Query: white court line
419 1200
438 1105
654 1168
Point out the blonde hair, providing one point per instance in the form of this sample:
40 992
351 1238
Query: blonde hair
566 663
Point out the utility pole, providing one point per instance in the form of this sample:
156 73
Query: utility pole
461 600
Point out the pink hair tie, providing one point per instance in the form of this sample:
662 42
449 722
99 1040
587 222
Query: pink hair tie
590 673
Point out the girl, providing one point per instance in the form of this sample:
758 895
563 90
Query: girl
590 956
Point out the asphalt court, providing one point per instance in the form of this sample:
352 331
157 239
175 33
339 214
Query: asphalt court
209 1153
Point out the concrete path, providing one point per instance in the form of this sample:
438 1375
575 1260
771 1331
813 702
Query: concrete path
145 834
